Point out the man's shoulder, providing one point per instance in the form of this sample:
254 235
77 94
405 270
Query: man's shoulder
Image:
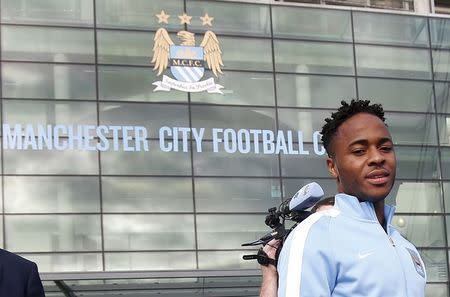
9 258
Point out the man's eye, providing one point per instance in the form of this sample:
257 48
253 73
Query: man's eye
386 149
358 152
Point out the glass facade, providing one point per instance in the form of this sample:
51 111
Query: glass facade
87 62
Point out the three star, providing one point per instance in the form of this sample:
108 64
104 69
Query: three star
184 19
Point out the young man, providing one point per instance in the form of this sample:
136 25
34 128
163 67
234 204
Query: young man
352 249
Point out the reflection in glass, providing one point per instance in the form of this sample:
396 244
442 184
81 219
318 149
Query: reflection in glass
246 53
398 95
230 18
314 91
47 44
236 194
228 231
440 32
238 164
416 197
154 161
147 194
55 12
441 62
393 62
313 57
28 194
445 160
307 165
422 231
390 29
311 23
436 290
149 261
124 47
52 81
151 116
148 232
444 129
435 265
53 233
49 112
50 162
225 260
133 84
412 128
66 262
442 96
236 118
241 88
417 162
306 121
138 14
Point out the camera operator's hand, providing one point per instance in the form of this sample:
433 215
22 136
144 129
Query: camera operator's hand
269 285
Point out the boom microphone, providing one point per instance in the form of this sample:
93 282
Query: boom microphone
306 197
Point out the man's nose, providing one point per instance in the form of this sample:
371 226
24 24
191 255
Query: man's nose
375 157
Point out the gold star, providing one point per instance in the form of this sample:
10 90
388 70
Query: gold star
207 20
163 17
185 19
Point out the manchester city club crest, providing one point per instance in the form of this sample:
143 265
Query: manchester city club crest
186 61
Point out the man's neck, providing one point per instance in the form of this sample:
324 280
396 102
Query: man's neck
379 211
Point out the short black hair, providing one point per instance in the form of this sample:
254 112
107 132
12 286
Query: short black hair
323 202
344 113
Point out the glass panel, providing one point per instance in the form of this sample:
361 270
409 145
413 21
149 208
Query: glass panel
236 118
230 18
313 57
123 47
23 80
390 29
53 233
28 194
308 164
306 121
133 84
236 194
422 231
446 186
435 265
229 231
445 160
412 128
242 88
50 162
224 164
442 97
393 62
154 161
151 116
57 12
67 262
49 112
226 260
416 197
148 232
444 129
313 91
440 32
145 194
401 95
436 290
47 44
138 14
246 54
417 162
310 23
441 60
149 261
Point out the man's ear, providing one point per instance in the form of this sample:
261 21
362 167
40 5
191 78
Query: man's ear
332 168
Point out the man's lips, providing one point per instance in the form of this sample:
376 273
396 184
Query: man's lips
378 177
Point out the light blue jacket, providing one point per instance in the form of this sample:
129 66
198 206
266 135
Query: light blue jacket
345 252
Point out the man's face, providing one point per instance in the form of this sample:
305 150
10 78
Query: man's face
364 160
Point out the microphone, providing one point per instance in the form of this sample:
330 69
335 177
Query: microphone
306 197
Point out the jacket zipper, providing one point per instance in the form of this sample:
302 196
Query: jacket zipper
398 259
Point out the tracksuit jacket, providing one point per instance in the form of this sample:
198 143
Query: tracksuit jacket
345 252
